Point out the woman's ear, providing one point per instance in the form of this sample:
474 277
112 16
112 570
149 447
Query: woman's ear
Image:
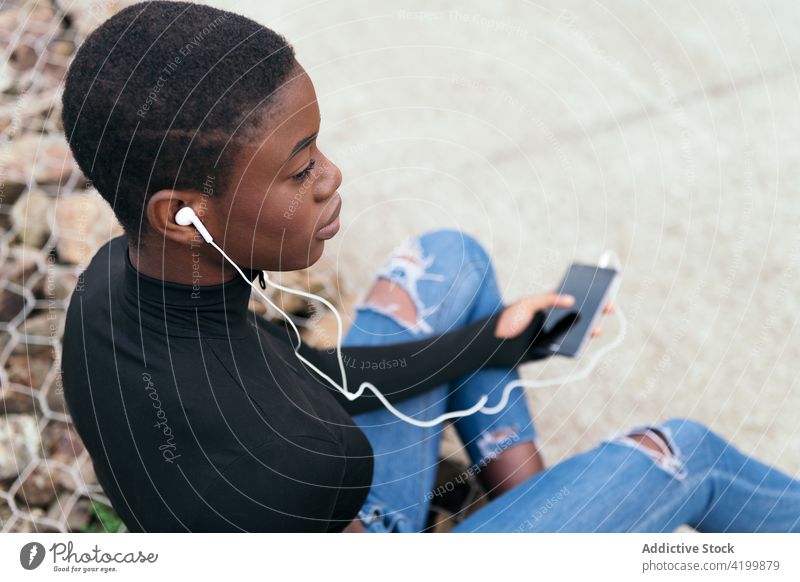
161 210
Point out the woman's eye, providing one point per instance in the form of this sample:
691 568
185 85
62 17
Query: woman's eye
306 171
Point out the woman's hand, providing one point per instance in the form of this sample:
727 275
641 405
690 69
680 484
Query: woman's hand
354 526
517 316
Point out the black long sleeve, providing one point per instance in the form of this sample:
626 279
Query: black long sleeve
291 485
196 421
191 421
402 370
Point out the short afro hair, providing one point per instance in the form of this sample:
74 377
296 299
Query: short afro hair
155 96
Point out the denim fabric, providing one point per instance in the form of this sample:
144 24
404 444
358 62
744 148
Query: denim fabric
451 281
700 479
617 487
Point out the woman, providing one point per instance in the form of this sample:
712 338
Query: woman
197 414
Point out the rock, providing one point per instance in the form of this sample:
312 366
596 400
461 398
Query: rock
451 447
61 441
29 218
56 284
54 396
23 57
321 328
22 265
41 487
61 48
457 495
15 402
31 350
28 371
83 478
40 19
286 301
27 522
44 157
9 21
257 306
86 471
34 350
310 280
20 443
7 78
321 331
11 305
11 191
79 516
89 14
5 337
64 445
5 515
47 326
84 223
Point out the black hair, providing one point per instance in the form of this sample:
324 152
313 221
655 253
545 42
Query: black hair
155 96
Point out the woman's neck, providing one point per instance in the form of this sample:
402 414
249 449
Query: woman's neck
185 265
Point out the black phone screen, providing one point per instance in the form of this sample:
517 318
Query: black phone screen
591 286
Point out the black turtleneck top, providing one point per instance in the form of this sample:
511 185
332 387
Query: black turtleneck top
198 416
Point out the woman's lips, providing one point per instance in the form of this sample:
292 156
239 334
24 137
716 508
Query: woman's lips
329 230
332 227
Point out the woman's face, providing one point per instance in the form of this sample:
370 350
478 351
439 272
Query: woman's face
283 201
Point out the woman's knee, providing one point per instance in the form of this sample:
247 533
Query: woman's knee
472 290
687 432
454 242
454 261
677 445
693 441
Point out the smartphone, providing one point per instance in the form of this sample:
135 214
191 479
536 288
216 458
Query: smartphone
592 288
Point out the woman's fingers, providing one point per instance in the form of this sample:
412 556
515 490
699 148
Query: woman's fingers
514 319
608 308
552 299
519 315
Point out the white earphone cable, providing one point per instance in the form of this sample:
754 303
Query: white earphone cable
479 406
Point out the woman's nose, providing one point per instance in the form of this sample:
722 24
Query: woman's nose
329 181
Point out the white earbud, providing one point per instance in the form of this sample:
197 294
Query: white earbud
186 216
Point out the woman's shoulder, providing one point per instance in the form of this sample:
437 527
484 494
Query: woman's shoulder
105 265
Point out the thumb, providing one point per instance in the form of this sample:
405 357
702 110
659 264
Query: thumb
519 316
554 299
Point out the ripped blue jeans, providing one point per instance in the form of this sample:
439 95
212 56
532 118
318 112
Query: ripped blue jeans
697 479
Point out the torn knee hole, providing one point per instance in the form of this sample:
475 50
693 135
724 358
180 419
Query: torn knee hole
654 440
655 443
390 296
492 444
396 294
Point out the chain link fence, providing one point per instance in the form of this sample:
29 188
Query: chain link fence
46 480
